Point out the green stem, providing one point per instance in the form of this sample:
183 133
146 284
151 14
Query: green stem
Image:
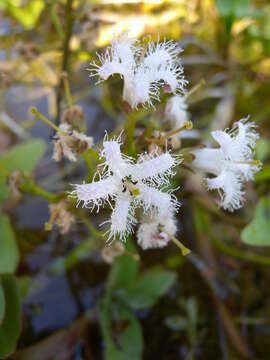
129 130
67 89
31 188
66 53
47 121
187 126
184 250
239 254
56 21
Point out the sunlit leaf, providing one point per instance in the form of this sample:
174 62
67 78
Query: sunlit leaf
257 232
10 327
225 7
26 15
9 254
237 8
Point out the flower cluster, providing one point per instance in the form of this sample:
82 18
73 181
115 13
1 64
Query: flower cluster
138 191
130 186
144 68
231 164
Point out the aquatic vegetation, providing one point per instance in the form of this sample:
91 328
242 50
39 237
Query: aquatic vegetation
134 210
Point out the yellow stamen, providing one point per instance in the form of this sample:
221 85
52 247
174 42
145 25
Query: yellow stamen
134 191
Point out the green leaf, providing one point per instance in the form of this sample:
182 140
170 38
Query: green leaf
9 254
235 8
130 339
262 149
148 288
126 342
257 232
11 325
22 157
225 7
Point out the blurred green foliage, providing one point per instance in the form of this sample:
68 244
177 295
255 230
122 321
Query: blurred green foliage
128 290
258 230
10 311
227 43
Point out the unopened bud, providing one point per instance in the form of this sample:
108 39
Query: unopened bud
74 116
109 253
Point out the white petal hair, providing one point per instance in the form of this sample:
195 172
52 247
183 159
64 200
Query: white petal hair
144 68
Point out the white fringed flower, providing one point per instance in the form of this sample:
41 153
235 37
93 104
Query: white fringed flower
231 164
176 113
144 70
130 185
156 232
70 143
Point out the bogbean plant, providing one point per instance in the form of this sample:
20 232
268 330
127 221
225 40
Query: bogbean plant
138 189
135 173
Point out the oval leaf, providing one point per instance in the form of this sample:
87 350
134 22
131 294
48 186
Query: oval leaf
23 157
257 232
148 288
11 325
9 254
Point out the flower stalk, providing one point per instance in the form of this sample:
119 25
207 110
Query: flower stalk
184 250
35 112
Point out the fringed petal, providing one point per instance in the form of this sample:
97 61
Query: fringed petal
117 163
95 194
230 190
122 218
157 168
